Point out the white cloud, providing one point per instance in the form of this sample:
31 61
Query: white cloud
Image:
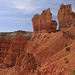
30 6
24 6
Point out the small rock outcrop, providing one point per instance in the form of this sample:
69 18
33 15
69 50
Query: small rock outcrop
65 15
44 22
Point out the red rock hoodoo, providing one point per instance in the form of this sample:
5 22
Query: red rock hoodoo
65 15
16 46
44 22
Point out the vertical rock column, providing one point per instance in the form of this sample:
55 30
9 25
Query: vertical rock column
44 22
65 15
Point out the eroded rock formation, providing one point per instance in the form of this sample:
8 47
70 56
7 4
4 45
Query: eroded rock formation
25 63
48 48
16 46
44 22
4 47
65 15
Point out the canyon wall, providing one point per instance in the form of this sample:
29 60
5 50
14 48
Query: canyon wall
44 22
65 15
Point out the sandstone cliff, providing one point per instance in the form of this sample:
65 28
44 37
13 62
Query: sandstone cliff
44 22
65 15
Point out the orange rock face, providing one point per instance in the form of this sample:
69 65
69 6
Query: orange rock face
44 22
4 47
18 43
16 46
65 15
25 63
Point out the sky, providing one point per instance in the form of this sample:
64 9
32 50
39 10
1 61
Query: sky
17 14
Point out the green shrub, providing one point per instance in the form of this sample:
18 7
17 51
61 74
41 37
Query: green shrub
66 45
65 58
73 73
